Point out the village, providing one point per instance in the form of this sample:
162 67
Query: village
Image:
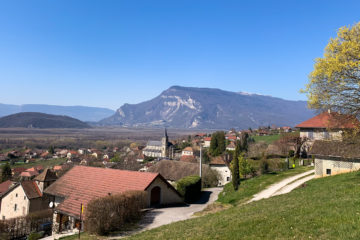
72 178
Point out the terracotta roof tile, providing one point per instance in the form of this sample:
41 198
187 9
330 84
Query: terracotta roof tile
5 186
46 176
330 120
82 184
219 160
31 189
189 149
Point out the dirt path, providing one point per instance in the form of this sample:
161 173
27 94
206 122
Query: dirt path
284 186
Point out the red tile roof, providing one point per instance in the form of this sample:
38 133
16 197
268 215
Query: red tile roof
81 184
330 120
5 186
28 173
219 160
207 139
31 189
188 149
46 176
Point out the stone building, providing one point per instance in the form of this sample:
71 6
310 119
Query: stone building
20 199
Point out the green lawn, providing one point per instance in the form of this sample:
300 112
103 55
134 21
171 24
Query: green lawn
327 208
45 163
267 139
254 185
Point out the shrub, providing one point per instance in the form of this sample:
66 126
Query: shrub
210 178
111 213
190 188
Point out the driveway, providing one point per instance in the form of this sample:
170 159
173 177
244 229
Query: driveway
162 216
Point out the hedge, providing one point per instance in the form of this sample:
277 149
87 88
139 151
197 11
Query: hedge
22 226
190 188
111 213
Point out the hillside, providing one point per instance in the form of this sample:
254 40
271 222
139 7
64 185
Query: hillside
327 208
88 114
40 120
206 108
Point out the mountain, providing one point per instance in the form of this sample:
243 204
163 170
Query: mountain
89 114
206 108
40 120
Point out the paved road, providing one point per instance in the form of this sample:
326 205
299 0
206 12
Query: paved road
161 216
284 186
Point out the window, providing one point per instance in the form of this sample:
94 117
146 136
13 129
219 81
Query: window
3 217
227 178
310 134
24 197
326 135
16 195
328 171
15 207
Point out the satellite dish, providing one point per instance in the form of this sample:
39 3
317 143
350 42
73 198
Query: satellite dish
51 204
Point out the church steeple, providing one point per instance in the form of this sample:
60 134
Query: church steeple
164 143
165 134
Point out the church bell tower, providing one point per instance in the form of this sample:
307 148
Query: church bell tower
164 144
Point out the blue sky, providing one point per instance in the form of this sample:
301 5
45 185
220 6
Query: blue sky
107 53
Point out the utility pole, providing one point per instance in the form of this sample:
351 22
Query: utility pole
200 160
81 211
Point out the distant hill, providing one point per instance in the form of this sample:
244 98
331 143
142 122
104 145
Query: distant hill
88 114
40 120
206 108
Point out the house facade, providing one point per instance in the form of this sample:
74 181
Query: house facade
335 157
82 184
218 164
327 126
26 197
207 141
188 151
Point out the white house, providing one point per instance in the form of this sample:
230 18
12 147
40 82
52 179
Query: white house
188 151
207 141
327 126
218 164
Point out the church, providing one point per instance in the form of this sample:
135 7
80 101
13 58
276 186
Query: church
158 149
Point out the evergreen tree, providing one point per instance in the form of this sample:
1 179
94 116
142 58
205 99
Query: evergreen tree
217 144
235 168
51 150
6 172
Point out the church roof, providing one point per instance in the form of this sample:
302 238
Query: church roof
154 143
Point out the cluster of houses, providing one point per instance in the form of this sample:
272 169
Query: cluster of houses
42 188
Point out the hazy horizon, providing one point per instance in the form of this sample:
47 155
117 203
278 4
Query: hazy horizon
105 54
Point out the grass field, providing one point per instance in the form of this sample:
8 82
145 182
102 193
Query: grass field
327 208
254 185
45 163
267 139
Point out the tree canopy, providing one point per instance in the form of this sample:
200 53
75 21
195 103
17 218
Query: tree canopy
6 172
217 144
335 81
